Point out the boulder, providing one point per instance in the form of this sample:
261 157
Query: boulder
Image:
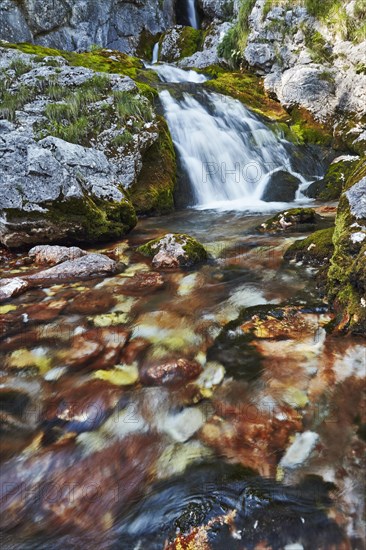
330 186
91 265
46 254
12 287
281 187
173 251
294 219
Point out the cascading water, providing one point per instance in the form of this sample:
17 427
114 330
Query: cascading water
192 13
227 152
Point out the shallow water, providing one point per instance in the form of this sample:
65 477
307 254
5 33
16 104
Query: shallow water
92 460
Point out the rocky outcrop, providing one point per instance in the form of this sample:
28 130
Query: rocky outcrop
304 63
308 60
294 219
79 24
72 141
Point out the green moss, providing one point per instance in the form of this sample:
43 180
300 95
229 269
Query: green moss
195 251
234 42
79 220
330 187
152 194
307 130
293 219
316 249
346 276
248 89
189 41
100 60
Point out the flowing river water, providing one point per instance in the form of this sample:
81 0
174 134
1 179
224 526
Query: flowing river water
260 450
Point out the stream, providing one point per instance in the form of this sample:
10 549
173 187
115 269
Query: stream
263 449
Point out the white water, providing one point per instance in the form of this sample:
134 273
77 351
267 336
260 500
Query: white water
170 73
192 14
226 151
155 55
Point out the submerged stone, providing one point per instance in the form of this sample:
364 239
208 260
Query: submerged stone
173 372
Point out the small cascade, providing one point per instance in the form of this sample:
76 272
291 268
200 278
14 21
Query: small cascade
155 55
192 14
187 13
227 152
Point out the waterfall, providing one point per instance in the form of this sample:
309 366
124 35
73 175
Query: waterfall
155 55
192 14
227 152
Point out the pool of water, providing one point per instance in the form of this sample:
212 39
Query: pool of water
258 443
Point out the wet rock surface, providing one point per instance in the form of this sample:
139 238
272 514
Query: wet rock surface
91 265
173 251
52 255
12 287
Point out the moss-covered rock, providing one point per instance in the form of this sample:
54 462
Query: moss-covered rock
294 219
152 194
346 276
330 187
315 250
247 88
174 250
180 42
86 220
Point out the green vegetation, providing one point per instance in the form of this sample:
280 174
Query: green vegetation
249 89
194 250
153 191
234 42
19 67
10 102
346 276
317 46
330 187
316 249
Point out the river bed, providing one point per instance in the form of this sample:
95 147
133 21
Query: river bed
261 447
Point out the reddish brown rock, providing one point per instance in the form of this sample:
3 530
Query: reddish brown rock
45 311
113 340
92 302
143 283
171 372
52 255
83 407
133 349
75 491
244 432
83 350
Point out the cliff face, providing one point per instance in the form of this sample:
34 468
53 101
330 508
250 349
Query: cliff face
78 24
